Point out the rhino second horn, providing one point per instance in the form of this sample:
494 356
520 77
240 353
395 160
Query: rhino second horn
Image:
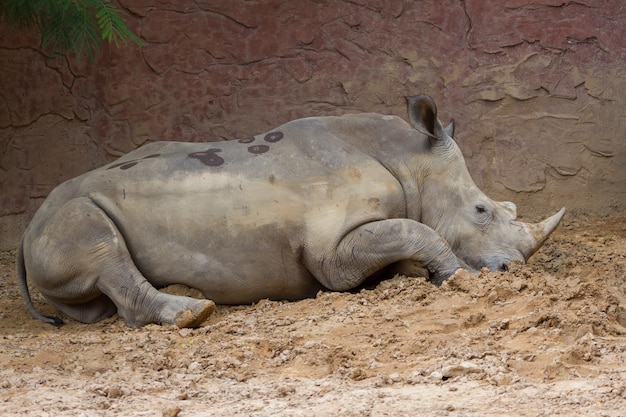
539 232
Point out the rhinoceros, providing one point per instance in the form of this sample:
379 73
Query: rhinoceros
320 203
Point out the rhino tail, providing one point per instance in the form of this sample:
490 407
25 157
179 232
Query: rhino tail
21 281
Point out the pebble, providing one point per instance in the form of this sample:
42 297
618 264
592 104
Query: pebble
463 368
171 412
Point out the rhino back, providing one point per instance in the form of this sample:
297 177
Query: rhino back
212 215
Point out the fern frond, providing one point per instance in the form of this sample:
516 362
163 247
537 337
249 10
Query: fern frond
112 26
84 34
20 14
69 25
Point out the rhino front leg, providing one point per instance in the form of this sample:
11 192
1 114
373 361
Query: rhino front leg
373 246
81 264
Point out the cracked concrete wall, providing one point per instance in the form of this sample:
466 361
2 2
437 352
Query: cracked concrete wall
536 88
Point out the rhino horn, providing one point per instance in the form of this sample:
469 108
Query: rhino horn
539 232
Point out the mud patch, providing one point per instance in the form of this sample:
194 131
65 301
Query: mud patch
543 339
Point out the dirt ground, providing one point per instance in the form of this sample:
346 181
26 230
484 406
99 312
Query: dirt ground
544 339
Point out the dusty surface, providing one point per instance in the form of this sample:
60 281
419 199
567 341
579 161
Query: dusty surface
544 339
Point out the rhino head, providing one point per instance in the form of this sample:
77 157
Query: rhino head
482 232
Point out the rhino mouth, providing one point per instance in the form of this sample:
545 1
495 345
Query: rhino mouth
501 263
497 265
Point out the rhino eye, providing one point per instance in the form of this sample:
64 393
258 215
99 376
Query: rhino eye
482 217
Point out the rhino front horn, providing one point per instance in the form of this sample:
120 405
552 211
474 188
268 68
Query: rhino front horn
539 232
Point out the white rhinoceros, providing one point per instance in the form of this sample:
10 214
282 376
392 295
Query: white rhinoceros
317 203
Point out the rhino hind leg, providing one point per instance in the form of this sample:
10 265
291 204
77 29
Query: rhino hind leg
81 264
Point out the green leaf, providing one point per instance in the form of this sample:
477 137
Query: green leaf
112 26
78 26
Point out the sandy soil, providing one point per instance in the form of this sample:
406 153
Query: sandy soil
544 339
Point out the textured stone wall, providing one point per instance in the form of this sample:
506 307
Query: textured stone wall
537 89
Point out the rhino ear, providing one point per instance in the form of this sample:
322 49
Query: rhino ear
450 129
423 116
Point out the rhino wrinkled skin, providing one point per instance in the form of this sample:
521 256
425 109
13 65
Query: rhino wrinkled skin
317 203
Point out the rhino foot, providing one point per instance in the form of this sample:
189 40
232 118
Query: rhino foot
195 315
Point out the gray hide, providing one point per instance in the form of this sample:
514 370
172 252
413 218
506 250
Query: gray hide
317 203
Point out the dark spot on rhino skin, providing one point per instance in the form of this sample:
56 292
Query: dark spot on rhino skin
123 165
257 149
273 137
247 140
208 157
128 165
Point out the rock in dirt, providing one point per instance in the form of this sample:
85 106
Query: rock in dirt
463 368
172 412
